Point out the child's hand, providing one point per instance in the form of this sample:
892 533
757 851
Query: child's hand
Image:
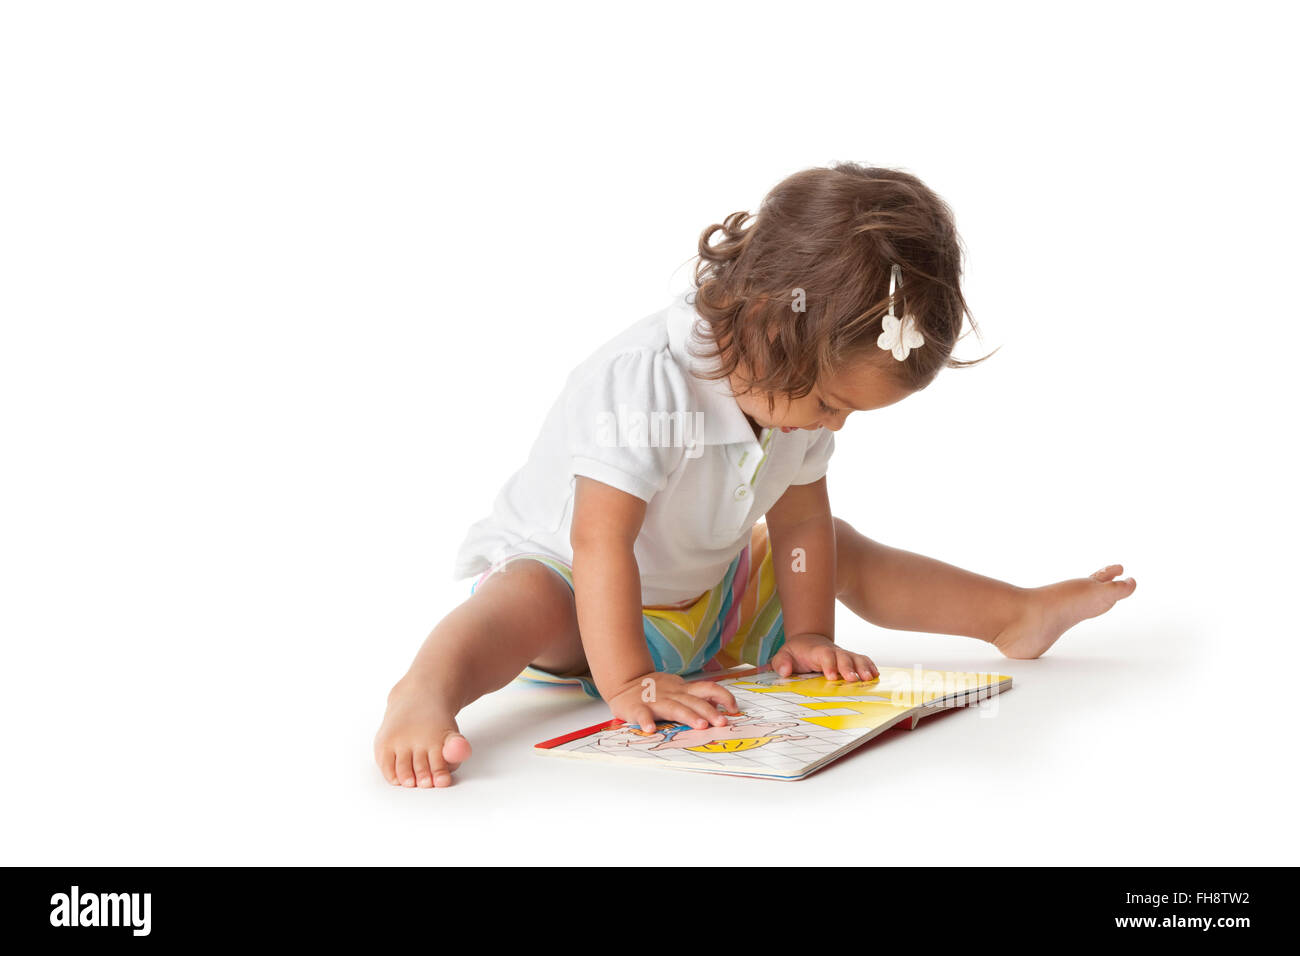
817 652
668 697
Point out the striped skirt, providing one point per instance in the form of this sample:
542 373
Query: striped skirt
736 622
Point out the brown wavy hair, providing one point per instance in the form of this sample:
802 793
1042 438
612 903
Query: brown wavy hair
833 233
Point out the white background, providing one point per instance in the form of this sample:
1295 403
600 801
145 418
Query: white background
287 289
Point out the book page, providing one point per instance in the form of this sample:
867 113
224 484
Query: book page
786 725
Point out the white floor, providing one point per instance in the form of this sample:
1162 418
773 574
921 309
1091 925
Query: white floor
1129 743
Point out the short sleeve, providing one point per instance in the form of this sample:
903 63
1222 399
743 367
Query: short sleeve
623 418
816 458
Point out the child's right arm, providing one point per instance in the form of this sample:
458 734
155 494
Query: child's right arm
607 592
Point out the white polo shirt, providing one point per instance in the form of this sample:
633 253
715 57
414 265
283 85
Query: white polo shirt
634 416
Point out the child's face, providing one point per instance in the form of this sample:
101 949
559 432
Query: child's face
859 388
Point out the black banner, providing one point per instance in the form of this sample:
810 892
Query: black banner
920 905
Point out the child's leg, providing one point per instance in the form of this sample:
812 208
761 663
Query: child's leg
910 592
522 614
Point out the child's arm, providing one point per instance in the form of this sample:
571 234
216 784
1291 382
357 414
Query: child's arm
801 532
607 592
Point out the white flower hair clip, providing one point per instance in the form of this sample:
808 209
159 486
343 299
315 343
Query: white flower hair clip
900 335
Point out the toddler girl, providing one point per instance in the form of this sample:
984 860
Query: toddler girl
672 517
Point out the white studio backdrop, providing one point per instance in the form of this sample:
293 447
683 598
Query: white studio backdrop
286 290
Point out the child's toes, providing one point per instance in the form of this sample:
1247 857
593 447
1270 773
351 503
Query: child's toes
387 761
1108 573
1116 591
455 750
420 764
405 774
440 768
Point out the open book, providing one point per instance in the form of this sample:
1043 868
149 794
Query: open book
787 727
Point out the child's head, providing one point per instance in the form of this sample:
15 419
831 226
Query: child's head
793 300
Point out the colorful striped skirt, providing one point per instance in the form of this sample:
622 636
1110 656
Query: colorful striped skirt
736 622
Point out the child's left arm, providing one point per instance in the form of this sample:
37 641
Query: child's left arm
801 533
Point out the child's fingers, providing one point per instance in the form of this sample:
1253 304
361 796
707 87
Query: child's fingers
847 666
702 709
824 658
867 670
715 693
858 666
643 717
680 710
782 662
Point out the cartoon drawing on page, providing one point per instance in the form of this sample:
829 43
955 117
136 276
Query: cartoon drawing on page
740 733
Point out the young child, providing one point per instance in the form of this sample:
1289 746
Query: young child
629 549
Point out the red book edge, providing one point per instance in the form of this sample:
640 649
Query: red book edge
909 721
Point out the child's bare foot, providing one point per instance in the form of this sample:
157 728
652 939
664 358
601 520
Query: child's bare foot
419 744
1053 610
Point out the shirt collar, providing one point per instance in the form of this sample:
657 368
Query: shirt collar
723 423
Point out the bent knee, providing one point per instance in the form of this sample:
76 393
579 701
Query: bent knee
532 589
542 604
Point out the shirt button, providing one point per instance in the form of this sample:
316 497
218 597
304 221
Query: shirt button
741 492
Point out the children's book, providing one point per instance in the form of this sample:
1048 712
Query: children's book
786 727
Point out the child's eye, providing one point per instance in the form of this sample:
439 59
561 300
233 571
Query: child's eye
825 407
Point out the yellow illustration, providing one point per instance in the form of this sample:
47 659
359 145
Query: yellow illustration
733 746
809 722
895 691
870 713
